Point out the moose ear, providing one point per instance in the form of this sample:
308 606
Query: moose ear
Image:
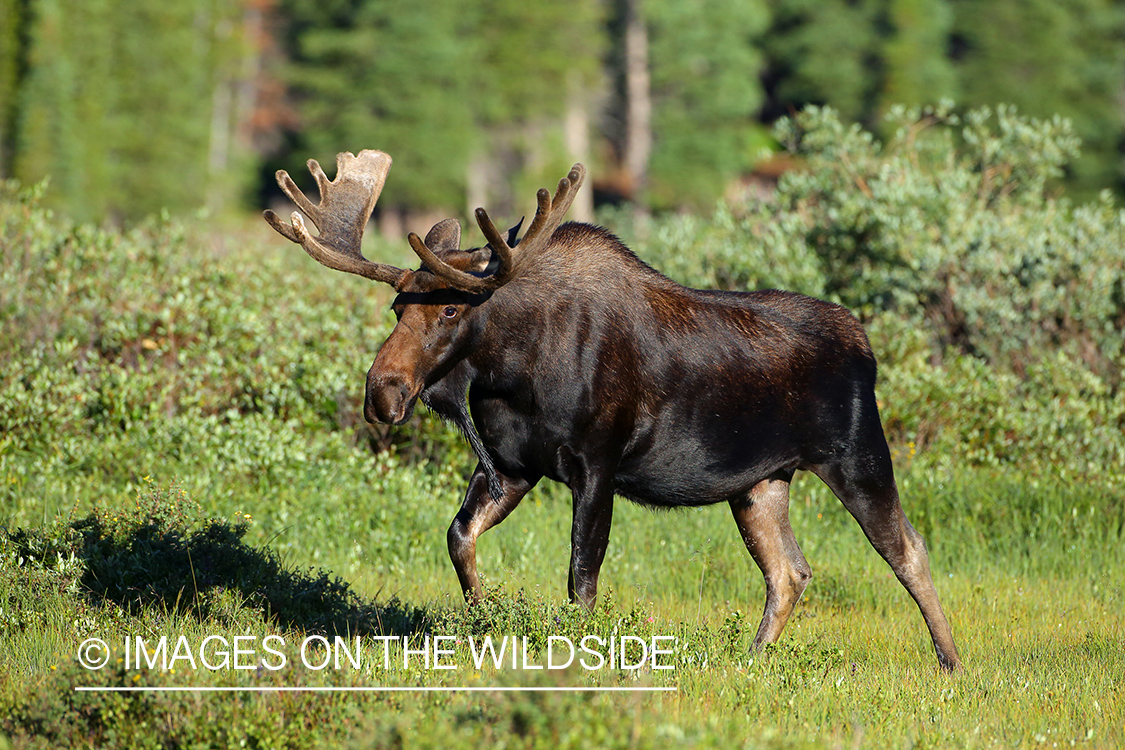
445 236
515 231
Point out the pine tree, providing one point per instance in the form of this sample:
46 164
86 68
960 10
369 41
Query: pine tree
45 122
706 95
386 74
916 69
1050 57
540 68
12 63
823 52
450 90
116 101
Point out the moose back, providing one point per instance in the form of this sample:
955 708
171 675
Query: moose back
562 355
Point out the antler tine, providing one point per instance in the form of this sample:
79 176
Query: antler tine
575 177
551 211
345 206
456 278
542 210
495 240
548 216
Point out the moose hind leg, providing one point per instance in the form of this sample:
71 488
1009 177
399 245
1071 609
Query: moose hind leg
479 512
867 488
763 521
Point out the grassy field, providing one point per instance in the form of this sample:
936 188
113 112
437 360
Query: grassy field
1041 630
181 455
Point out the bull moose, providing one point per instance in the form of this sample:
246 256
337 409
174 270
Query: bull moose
563 355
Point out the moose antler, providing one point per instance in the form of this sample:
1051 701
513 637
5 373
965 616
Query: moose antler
548 216
345 206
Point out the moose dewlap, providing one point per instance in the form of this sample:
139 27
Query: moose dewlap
562 355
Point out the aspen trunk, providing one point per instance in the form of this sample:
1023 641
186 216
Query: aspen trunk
638 123
577 128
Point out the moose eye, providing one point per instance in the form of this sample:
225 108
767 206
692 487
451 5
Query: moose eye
449 312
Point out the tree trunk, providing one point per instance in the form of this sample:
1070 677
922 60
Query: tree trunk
577 129
638 123
476 182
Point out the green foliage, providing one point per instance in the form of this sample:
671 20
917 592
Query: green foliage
11 27
726 250
119 345
917 69
429 83
531 55
1049 57
952 223
821 52
388 75
860 57
125 106
130 108
1057 416
705 93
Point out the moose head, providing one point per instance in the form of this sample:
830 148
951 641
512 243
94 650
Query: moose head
435 305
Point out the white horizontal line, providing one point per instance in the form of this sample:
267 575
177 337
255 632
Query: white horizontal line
367 689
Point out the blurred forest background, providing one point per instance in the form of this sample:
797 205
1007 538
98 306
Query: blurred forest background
134 106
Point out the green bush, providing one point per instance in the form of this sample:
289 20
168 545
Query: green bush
730 249
125 353
953 224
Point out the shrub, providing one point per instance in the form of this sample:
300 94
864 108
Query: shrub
125 352
953 225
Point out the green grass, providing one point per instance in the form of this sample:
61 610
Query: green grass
1041 631
181 453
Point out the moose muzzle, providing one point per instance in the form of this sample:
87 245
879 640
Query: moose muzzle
390 398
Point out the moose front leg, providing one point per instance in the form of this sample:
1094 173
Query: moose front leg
479 513
589 537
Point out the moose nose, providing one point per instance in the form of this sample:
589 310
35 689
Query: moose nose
388 399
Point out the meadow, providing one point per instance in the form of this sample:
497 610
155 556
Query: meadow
183 453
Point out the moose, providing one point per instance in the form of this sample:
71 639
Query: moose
562 355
